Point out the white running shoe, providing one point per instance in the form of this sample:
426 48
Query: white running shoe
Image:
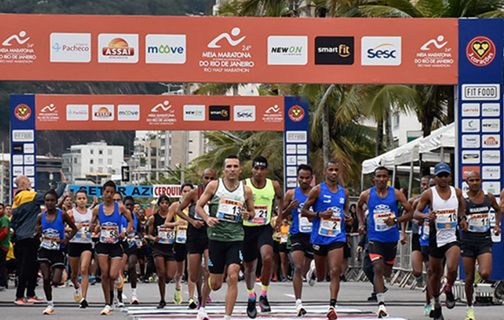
48 310
106 311
310 275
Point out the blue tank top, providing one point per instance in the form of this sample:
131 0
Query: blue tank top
109 225
379 210
124 223
52 232
305 226
327 231
425 230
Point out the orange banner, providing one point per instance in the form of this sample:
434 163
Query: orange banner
159 112
225 49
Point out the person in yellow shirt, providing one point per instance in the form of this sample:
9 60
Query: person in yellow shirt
282 248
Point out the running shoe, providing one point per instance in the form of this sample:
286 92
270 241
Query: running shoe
48 310
264 304
437 314
450 298
470 314
35 299
177 297
161 304
251 307
134 299
23 302
310 275
202 315
119 304
106 311
119 283
427 310
382 312
331 313
77 294
83 303
192 304
300 311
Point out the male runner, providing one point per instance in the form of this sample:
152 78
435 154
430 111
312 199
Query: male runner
230 202
197 238
300 230
330 214
109 249
259 234
476 239
134 241
383 231
447 205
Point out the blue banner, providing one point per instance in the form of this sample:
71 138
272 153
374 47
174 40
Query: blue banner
96 190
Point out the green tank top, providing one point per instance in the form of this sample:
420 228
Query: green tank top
263 203
226 205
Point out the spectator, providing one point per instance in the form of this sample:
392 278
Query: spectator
24 218
4 246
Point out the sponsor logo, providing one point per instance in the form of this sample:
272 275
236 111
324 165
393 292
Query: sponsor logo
296 113
273 109
103 112
235 32
244 113
287 50
437 43
77 112
381 51
162 114
470 125
20 38
219 113
118 48
470 109
296 136
490 141
480 51
470 141
334 50
128 112
165 48
164 106
467 169
490 110
22 112
491 156
480 92
194 112
49 113
492 187
470 156
490 125
70 47
23 135
273 114
491 172
48 109
17 48
436 53
17 148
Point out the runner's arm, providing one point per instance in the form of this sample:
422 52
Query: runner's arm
280 200
192 197
425 199
498 212
249 201
346 209
408 210
310 201
127 214
361 213
69 222
94 219
170 215
289 203
205 197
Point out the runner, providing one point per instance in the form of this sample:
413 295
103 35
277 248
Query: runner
51 226
163 235
197 239
476 239
258 234
109 249
300 231
382 229
119 283
230 202
80 248
179 248
330 215
446 204
134 241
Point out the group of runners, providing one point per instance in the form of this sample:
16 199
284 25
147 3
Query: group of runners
225 223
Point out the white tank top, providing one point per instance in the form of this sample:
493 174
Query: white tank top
83 235
446 217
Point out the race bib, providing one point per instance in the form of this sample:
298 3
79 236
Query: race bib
181 234
83 232
50 243
478 222
109 234
330 227
277 236
260 216
379 221
284 238
197 216
131 241
167 235
426 230
446 219
229 210
305 226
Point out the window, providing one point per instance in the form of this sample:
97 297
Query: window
91 151
100 161
396 118
100 169
109 152
91 169
91 161
109 161
75 160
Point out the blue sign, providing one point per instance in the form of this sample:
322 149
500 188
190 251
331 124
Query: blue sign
96 190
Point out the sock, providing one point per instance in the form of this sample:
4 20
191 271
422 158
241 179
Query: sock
264 290
111 296
227 317
437 303
332 303
119 295
469 307
50 303
298 303
251 294
202 309
380 297
419 279
133 292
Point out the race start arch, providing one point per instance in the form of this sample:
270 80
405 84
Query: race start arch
467 53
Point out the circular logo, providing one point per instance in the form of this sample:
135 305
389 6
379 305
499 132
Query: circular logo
296 113
481 51
22 112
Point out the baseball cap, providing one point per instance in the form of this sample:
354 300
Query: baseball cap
441 167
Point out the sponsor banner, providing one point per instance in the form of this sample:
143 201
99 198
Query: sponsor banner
171 190
479 114
234 49
96 190
149 112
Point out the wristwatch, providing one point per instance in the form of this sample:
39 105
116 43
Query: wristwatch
395 220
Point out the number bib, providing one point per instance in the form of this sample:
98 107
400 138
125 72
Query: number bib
379 221
167 235
83 232
478 222
229 210
330 227
182 234
446 219
426 230
305 226
109 234
196 215
277 236
131 241
260 216
50 243
284 238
